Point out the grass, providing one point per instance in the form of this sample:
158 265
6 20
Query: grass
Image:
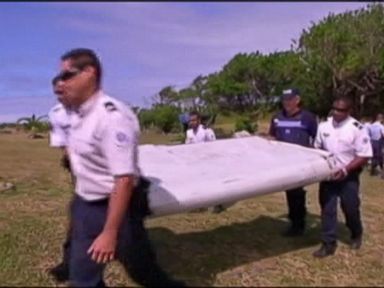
239 247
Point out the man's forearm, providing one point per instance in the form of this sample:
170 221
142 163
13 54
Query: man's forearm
356 163
118 203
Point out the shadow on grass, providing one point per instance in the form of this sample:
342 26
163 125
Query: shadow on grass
199 256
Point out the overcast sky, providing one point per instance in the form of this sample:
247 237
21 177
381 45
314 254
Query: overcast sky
143 46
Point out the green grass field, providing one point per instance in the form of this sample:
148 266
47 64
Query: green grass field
239 247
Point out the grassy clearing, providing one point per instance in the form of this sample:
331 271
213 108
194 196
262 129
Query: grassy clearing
240 247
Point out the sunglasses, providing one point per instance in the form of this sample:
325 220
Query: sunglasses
66 75
340 109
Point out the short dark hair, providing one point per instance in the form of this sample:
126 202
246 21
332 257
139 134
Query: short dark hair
194 113
347 100
82 57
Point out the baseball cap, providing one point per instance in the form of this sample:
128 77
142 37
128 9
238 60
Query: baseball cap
290 93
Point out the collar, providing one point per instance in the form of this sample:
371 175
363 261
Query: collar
293 115
87 106
340 124
200 127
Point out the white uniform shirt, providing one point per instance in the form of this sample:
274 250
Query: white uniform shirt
59 121
344 140
366 126
102 144
376 131
202 135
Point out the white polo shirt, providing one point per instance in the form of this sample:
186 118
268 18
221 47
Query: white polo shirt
202 135
59 121
376 131
344 140
102 144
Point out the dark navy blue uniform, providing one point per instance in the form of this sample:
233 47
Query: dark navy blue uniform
300 129
348 192
134 250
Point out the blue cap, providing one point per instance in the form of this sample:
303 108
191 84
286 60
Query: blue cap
290 93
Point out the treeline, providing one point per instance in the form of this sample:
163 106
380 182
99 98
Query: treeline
343 54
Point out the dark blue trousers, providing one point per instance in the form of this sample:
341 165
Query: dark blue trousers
133 249
296 207
348 193
377 159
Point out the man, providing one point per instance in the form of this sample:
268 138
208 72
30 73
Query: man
59 122
376 133
298 126
108 209
348 141
197 133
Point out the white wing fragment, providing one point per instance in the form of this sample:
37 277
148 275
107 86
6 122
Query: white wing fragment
186 177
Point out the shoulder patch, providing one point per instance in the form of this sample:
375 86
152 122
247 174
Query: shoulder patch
110 106
358 125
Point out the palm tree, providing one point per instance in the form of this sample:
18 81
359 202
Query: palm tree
34 124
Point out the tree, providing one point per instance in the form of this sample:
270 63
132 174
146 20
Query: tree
34 124
344 57
166 117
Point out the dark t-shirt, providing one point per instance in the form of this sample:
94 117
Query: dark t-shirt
300 128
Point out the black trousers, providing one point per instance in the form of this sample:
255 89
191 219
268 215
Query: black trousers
348 193
296 207
134 250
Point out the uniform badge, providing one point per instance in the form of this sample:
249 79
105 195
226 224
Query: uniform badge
121 137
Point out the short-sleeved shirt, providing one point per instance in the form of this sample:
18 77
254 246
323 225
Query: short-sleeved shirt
102 145
201 135
345 140
59 122
299 128
376 131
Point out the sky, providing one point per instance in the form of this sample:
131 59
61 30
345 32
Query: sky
143 46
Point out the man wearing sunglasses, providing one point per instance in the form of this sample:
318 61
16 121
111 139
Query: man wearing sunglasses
109 205
297 126
348 141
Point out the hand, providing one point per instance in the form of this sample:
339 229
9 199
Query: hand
339 175
103 248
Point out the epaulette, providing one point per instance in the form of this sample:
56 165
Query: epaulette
110 106
57 108
358 125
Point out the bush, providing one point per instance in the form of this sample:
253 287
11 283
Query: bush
221 134
146 118
245 123
166 117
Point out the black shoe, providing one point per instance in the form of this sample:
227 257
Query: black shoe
356 243
324 251
60 272
293 232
